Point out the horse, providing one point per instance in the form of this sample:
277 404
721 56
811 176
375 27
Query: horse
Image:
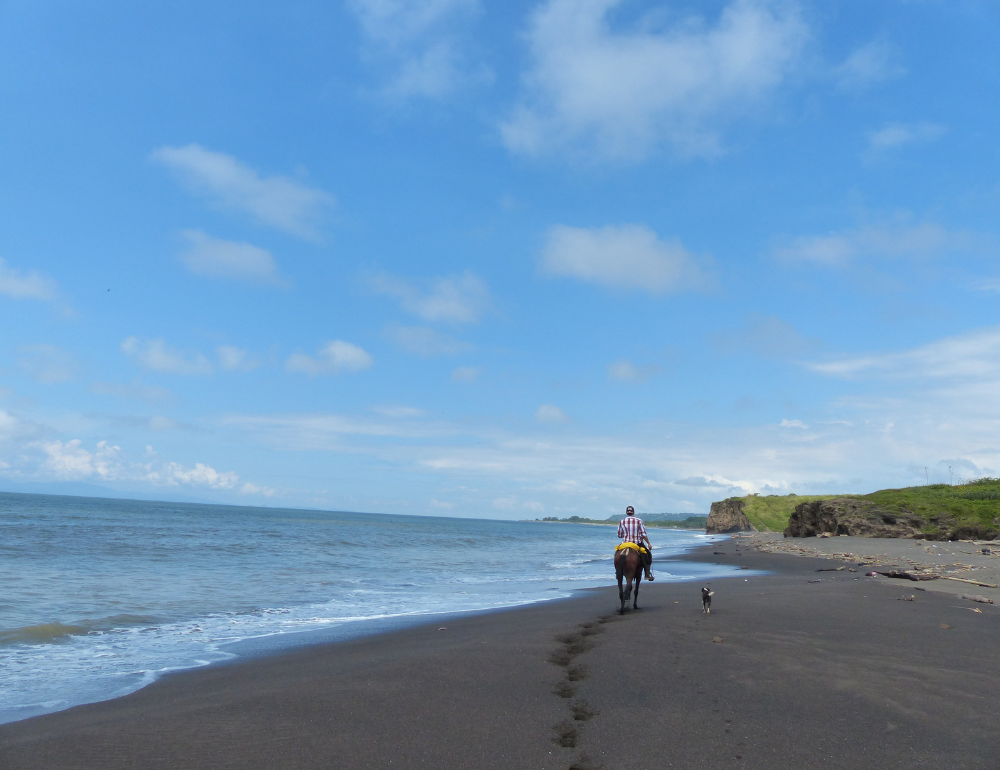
628 566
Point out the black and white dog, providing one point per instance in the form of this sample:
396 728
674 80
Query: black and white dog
706 600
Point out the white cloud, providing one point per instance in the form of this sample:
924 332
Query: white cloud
721 484
628 372
418 42
136 422
136 389
396 412
989 284
328 432
334 356
512 503
550 413
661 465
33 457
466 374
277 201
69 461
765 335
159 422
460 299
200 475
157 356
900 239
30 284
794 424
12 427
872 63
896 135
423 341
217 258
234 359
621 93
48 363
627 257
253 489
970 357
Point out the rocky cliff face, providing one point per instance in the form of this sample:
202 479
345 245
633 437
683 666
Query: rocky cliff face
862 518
727 516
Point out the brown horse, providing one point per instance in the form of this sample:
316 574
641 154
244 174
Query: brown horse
628 566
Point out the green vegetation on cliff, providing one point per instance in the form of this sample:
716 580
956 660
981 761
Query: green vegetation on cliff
976 502
772 512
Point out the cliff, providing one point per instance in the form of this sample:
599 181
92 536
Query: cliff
727 516
865 518
969 511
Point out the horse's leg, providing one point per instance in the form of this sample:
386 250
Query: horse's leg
638 579
619 573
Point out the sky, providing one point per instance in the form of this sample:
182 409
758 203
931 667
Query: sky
508 260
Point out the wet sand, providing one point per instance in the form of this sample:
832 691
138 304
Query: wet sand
785 673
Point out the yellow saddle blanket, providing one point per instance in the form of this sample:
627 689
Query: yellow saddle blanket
633 546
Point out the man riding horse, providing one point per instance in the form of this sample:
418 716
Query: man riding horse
632 530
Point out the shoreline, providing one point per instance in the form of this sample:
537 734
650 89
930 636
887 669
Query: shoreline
233 652
792 669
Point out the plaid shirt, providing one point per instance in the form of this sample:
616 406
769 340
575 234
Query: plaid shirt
631 530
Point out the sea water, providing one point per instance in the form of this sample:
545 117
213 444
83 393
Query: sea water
100 597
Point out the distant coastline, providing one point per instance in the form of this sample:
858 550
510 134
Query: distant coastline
657 520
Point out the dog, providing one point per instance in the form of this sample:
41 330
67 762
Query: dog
706 600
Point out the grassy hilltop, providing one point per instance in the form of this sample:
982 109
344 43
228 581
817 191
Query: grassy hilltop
976 502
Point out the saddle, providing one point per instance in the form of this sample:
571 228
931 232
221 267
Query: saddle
633 546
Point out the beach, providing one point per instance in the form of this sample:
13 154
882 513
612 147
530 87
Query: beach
785 672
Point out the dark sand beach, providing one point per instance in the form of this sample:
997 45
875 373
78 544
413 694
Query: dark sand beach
785 673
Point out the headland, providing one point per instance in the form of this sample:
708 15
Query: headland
966 511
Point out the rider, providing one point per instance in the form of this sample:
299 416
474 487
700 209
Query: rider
632 530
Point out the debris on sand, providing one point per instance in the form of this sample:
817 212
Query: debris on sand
977 598
973 582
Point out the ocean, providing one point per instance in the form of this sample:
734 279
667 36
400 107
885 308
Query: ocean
101 597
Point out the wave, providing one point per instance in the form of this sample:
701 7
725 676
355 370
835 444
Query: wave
42 633
55 633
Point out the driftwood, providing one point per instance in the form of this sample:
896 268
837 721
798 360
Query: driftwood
831 569
906 575
977 598
973 582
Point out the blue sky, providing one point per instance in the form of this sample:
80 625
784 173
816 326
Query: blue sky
498 259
